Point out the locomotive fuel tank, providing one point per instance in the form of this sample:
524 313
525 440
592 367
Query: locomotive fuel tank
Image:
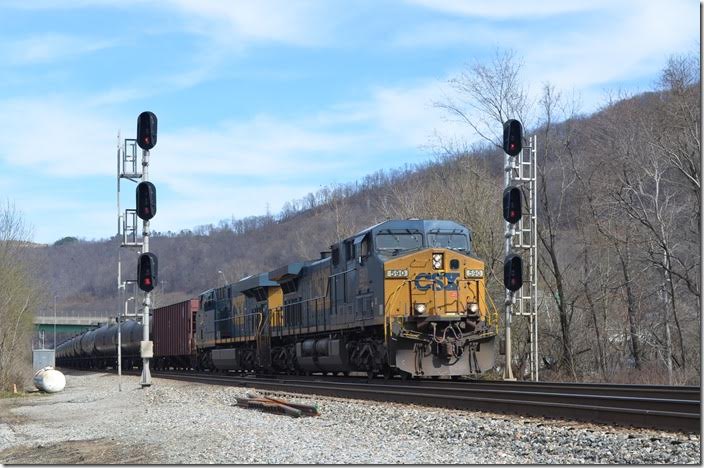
323 354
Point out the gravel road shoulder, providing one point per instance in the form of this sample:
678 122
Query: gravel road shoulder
179 422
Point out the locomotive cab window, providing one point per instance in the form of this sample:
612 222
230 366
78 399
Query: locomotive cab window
335 254
349 250
449 240
362 247
208 301
393 242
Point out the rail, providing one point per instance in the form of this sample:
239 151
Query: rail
658 407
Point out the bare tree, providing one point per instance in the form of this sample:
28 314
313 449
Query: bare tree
19 299
488 94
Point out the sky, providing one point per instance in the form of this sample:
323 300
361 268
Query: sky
263 102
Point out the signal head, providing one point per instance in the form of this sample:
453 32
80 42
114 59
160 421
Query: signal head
513 272
146 130
513 204
513 137
147 266
146 200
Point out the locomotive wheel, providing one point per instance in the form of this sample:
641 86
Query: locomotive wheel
388 372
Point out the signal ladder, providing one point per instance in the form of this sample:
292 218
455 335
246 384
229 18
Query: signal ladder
128 168
522 172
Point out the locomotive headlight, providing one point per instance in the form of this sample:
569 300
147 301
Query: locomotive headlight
473 307
437 261
398 273
420 308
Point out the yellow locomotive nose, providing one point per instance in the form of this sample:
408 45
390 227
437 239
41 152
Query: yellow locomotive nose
434 282
436 312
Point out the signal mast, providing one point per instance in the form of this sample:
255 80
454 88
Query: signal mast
520 235
145 209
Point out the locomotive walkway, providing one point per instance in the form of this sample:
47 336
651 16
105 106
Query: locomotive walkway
647 406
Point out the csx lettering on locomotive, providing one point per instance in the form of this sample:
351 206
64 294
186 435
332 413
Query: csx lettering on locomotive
437 281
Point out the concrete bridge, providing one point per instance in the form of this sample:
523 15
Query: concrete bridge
66 324
74 318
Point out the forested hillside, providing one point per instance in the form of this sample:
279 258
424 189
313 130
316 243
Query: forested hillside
619 225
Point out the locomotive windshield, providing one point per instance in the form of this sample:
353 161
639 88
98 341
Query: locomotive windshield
394 242
448 240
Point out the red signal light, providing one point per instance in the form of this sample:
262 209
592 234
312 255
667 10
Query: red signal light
146 130
512 204
513 272
147 271
146 200
513 137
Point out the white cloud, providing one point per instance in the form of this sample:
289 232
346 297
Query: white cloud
303 22
513 9
264 147
409 116
203 69
230 168
457 32
57 136
629 48
266 20
616 41
47 48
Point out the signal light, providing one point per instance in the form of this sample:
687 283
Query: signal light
147 266
513 272
146 130
513 204
513 137
146 200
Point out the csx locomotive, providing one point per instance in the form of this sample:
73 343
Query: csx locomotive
402 297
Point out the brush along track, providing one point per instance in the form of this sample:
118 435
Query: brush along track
656 407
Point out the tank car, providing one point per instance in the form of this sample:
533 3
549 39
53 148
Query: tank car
97 348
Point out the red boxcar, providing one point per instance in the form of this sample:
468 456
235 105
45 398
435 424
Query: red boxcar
173 329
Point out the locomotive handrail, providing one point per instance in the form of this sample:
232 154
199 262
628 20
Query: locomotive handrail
495 316
341 273
244 320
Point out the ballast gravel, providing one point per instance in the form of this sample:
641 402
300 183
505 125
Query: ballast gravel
179 422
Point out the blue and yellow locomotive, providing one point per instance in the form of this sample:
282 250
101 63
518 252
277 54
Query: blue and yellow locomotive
401 297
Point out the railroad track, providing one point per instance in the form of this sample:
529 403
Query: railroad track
647 406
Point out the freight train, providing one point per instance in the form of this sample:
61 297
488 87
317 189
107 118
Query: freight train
403 297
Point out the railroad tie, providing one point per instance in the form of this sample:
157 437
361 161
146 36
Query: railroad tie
275 405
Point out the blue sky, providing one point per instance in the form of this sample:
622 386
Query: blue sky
262 102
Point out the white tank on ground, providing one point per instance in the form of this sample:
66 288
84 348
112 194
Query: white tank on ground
49 380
